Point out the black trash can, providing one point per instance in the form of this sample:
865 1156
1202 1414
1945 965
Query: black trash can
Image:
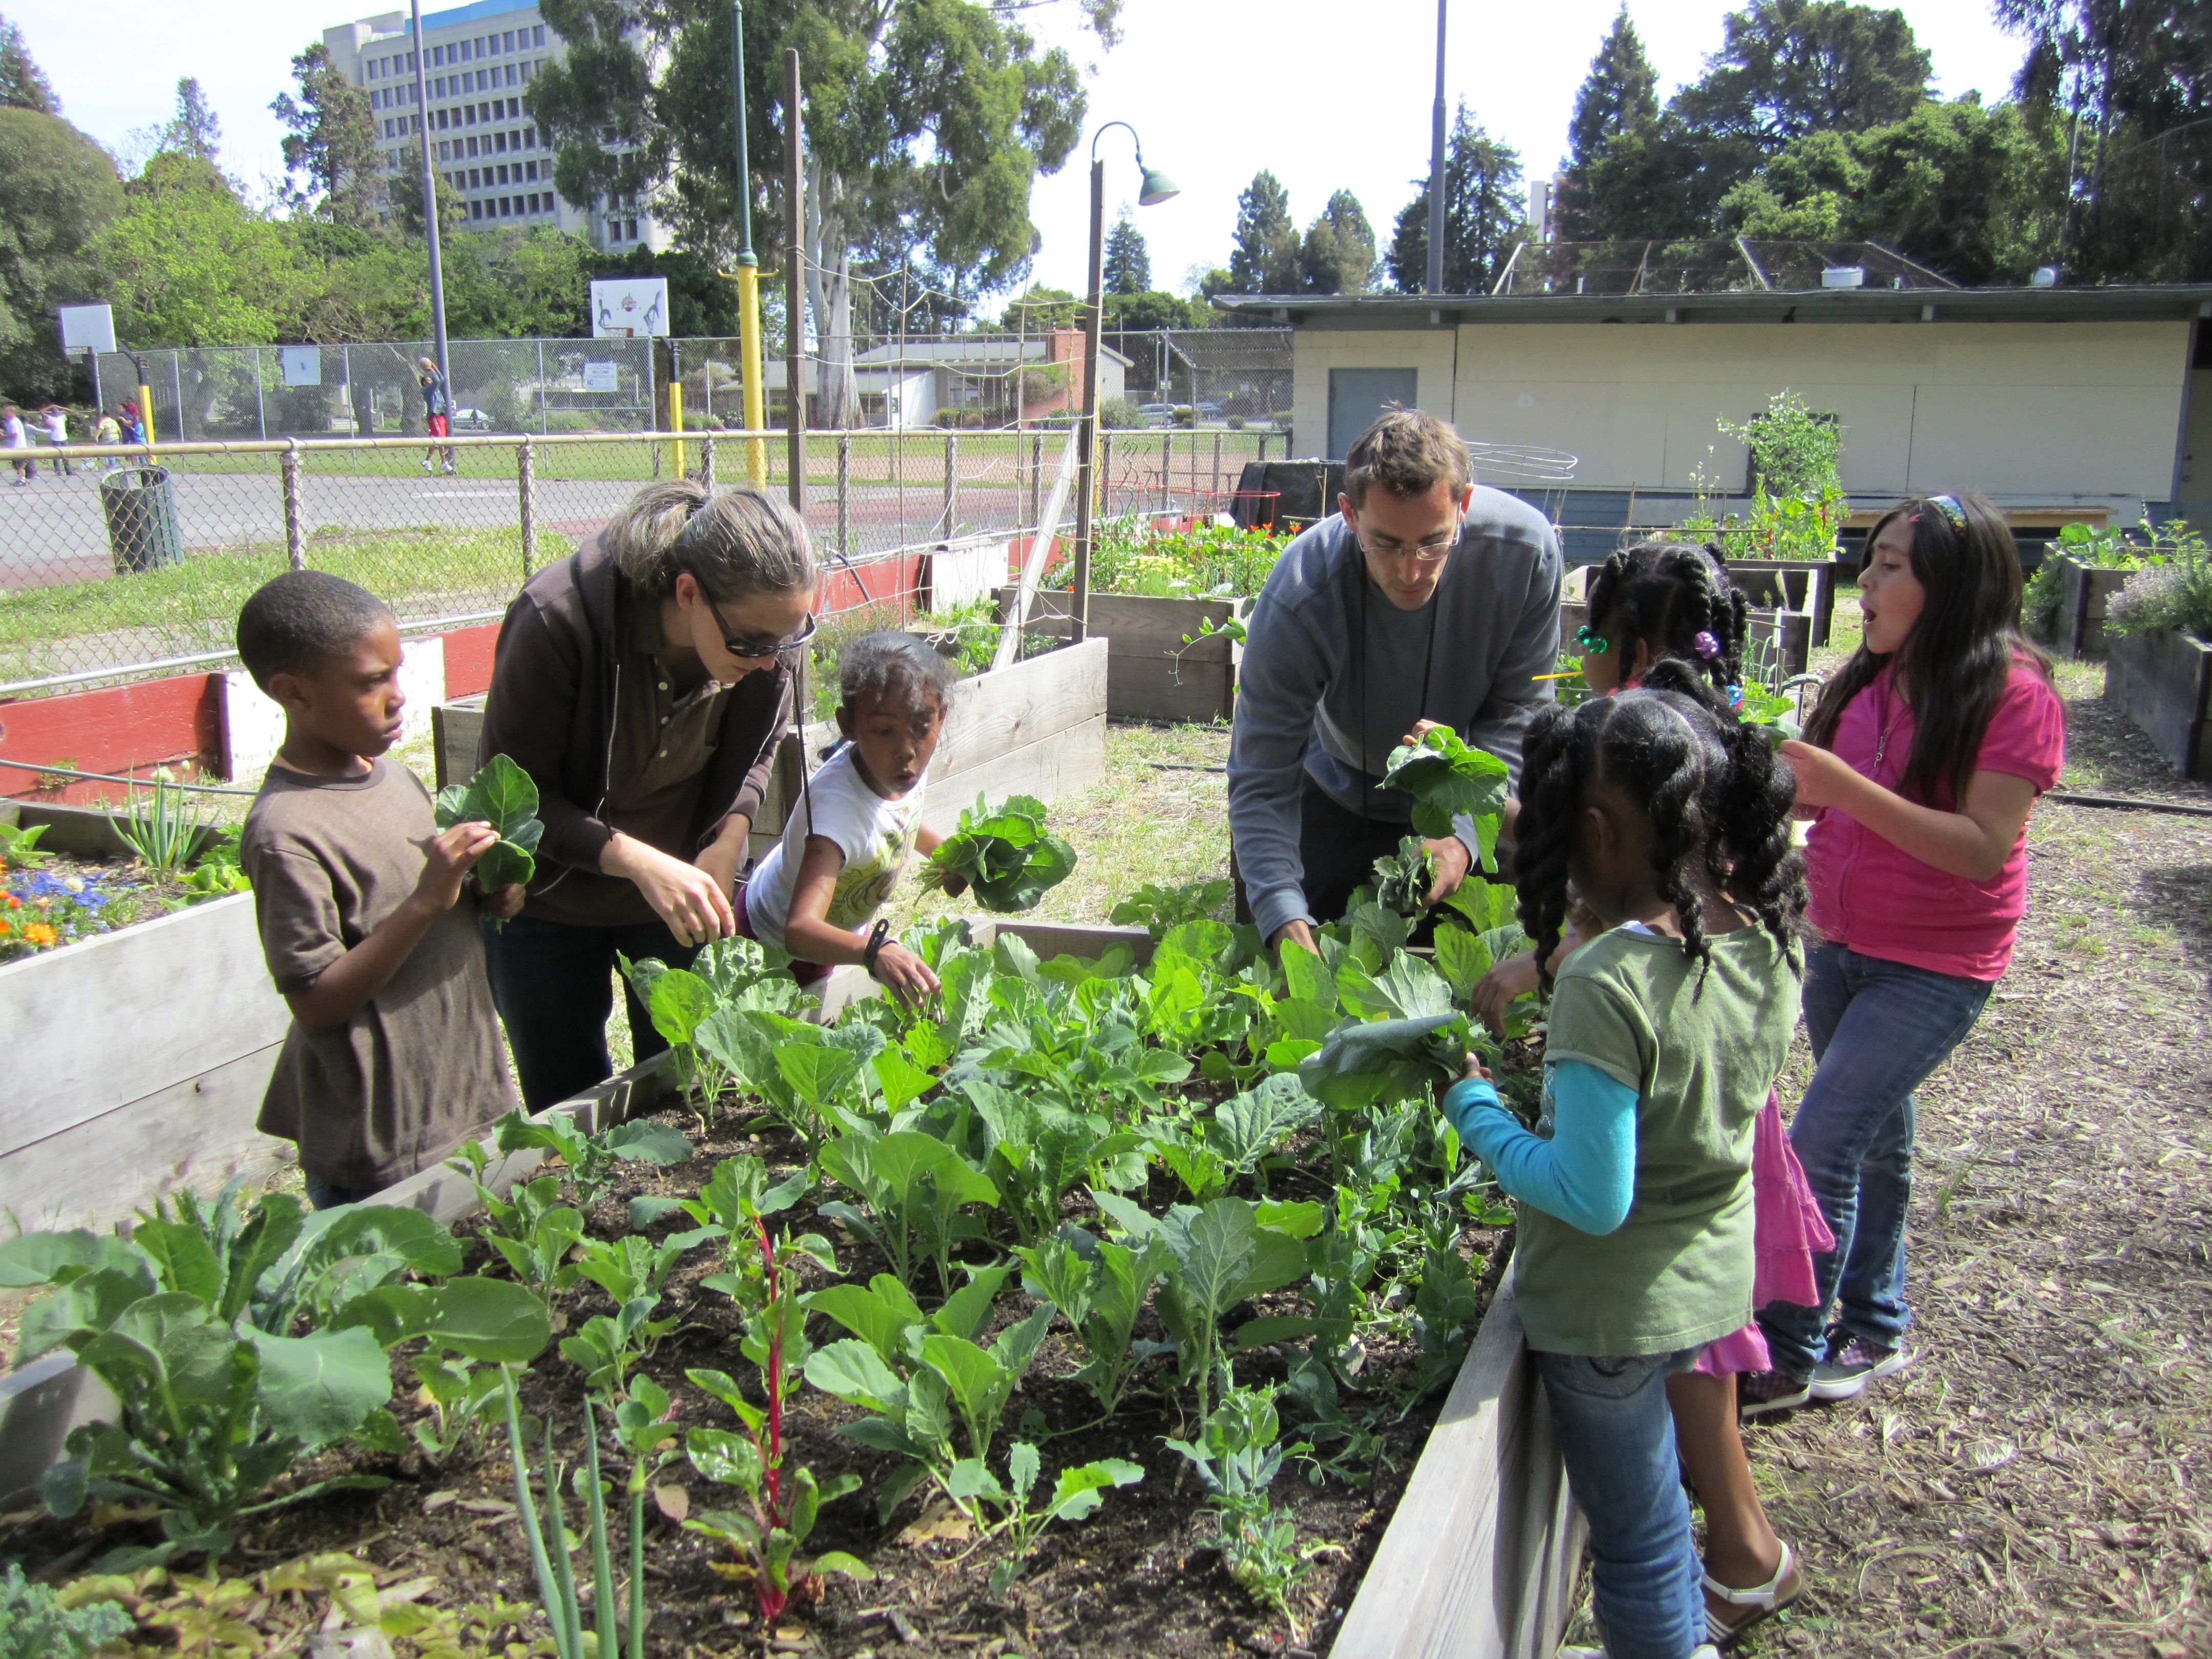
142 520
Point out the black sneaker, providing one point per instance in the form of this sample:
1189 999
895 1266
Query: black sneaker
1757 1393
1845 1374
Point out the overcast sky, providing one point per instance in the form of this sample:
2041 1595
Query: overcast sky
1217 89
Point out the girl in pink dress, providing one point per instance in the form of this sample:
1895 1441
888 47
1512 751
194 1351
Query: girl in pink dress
1670 601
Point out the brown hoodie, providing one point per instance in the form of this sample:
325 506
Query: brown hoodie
553 691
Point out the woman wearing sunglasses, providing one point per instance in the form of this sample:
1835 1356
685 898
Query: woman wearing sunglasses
641 683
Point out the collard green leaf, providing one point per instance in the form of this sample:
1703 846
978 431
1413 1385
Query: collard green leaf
1387 1061
1007 856
1448 780
504 796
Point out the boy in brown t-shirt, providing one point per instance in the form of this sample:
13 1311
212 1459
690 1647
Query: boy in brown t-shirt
394 1055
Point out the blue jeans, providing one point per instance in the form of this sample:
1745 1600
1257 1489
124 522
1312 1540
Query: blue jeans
1618 1437
322 1195
1878 1029
553 983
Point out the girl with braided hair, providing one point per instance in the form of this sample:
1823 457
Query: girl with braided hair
1661 600
1920 765
1636 1237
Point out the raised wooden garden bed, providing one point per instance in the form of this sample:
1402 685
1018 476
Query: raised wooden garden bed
1151 674
1478 1558
1806 586
2084 593
1036 727
2162 681
138 1060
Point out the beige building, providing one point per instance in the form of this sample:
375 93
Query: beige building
2089 399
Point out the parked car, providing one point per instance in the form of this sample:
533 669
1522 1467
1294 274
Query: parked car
1157 414
1209 411
468 420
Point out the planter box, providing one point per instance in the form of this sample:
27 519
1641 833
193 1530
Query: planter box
1793 629
1036 728
1802 585
137 1061
2086 594
1151 674
2162 681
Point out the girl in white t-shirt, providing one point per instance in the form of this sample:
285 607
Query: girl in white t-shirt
856 825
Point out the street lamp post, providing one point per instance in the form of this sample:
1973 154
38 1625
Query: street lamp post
1155 188
421 55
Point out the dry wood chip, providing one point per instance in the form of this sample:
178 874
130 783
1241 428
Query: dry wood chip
438 1500
486 1506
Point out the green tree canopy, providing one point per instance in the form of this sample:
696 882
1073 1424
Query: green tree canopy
1038 309
1620 95
188 264
23 84
1152 310
1483 213
1263 255
329 144
926 122
57 189
194 130
1129 262
1338 256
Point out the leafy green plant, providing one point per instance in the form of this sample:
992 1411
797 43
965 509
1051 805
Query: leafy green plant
1402 880
216 871
530 1228
1007 855
590 1159
504 796
165 831
1076 1495
1223 1254
1099 1287
913 1187
1157 908
2175 592
1448 781
462 1323
1387 1061
1036 1151
1238 1459
34 1624
19 847
632 1272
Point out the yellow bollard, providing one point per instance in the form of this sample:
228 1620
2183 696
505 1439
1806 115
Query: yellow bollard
146 419
675 421
749 348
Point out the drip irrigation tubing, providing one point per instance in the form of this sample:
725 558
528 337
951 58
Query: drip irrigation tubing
110 777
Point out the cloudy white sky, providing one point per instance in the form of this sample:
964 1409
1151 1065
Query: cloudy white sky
1218 88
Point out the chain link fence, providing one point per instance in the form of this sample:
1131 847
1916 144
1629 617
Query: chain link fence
110 567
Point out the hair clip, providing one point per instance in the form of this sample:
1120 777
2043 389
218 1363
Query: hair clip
1707 646
1736 697
1592 642
1950 508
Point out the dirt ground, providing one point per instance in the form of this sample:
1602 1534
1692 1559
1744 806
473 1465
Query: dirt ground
2035 1484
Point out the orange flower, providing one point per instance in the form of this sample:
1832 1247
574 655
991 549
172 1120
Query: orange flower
39 933
15 903
6 928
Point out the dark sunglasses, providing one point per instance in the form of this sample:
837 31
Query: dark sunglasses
755 649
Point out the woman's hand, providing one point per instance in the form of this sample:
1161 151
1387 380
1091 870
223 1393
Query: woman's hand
1503 985
503 904
904 974
1421 729
690 900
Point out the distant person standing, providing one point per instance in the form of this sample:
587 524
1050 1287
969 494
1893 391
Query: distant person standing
134 429
15 439
437 409
109 431
56 421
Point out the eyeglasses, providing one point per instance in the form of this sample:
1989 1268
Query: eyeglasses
756 649
1428 552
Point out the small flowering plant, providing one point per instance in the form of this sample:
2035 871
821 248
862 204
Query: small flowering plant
40 909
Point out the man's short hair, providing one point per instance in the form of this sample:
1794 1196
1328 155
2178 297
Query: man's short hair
1408 453
298 621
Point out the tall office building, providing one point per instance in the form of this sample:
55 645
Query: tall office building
482 57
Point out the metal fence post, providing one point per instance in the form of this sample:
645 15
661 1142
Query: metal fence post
951 485
707 464
176 385
1036 479
1215 487
542 427
526 477
295 533
845 493
260 413
1167 470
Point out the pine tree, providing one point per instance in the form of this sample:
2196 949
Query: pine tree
1265 256
194 130
331 141
1339 254
23 84
1129 262
1484 215
1619 94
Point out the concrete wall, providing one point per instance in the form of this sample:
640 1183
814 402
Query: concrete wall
2046 411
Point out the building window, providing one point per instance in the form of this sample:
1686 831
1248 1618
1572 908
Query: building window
511 77
476 209
537 35
506 41
499 143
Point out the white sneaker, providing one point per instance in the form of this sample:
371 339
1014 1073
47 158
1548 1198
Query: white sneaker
426 466
449 469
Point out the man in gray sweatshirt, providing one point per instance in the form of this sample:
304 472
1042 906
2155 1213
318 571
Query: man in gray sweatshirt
1427 600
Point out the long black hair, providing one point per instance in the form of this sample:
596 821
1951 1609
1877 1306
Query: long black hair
1953 666
1711 788
1670 594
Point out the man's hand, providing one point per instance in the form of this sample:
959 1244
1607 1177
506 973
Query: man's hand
451 855
1451 861
1294 932
1421 729
1502 986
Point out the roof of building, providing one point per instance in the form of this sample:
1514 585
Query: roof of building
1725 281
398 23
955 350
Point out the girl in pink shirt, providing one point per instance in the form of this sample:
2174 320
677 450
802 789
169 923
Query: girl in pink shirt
1919 769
